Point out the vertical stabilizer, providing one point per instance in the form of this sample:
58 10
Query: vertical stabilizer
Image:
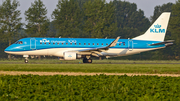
158 29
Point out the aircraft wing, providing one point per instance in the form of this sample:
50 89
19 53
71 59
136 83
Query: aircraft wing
167 43
100 49
97 51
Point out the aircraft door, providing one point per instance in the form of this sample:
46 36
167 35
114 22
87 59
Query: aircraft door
32 43
130 44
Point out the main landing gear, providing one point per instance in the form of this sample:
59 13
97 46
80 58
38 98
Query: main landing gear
87 60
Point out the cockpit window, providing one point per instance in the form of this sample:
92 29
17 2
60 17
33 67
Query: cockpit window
16 42
20 42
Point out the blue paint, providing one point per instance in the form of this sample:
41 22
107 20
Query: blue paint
157 29
49 43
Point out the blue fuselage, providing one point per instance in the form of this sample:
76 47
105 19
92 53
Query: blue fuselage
50 46
31 44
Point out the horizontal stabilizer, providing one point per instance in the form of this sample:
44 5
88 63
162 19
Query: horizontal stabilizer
167 43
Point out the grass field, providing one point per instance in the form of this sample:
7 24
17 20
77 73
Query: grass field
96 87
57 66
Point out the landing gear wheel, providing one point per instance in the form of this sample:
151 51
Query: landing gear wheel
26 61
87 60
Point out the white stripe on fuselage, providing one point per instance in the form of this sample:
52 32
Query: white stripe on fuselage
60 51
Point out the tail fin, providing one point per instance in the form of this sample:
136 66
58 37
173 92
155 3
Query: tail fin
158 29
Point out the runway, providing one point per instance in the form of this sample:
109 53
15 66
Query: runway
82 63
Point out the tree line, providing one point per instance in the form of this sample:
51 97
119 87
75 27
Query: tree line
86 19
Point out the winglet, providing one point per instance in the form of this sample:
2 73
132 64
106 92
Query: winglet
114 42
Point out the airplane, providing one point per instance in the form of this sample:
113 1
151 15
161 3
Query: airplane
77 48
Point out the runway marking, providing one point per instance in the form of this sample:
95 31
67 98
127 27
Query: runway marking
80 73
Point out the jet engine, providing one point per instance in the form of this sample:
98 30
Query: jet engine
71 56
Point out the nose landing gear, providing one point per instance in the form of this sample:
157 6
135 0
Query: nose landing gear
26 58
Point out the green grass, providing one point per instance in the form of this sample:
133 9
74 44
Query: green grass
104 68
54 65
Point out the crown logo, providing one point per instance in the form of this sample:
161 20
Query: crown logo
70 56
157 26
44 40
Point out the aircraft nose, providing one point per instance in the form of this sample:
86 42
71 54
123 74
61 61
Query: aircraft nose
8 49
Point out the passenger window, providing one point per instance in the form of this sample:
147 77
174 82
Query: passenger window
45 43
102 44
119 44
93 43
49 43
58 43
106 43
75 43
66 43
53 43
79 43
124 43
40 43
62 43
71 43
97 43
88 43
84 43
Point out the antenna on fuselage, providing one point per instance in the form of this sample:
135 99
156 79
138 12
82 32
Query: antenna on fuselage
59 36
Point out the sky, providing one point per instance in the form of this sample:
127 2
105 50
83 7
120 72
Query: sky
146 5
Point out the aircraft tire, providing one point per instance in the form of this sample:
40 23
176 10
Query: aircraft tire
87 60
26 61
84 60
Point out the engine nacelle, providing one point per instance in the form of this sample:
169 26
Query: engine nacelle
71 56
